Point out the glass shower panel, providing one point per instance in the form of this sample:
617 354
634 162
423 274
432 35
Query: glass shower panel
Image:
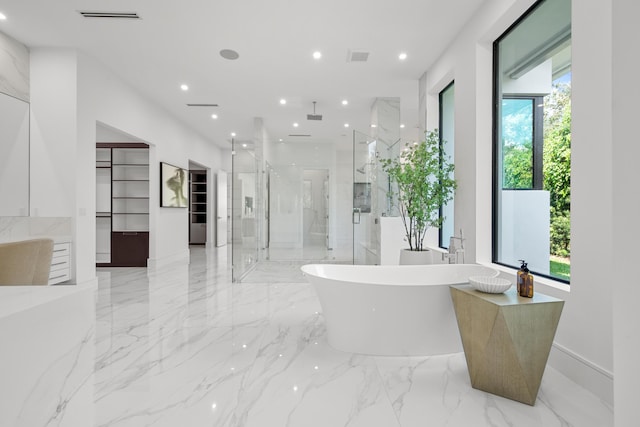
244 213
368 197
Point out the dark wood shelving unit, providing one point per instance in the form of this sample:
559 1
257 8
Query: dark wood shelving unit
197 207
127 165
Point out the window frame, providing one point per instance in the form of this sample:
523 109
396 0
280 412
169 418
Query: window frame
538 179
537 142
441 244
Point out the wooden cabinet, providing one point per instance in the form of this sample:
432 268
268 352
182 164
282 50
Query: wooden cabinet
197 207
129 248
122 204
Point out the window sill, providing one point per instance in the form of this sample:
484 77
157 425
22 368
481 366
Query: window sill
509 273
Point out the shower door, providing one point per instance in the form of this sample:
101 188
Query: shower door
366 200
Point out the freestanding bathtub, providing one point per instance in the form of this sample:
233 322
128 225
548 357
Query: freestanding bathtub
391 310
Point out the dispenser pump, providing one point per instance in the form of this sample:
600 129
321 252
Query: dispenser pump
524 281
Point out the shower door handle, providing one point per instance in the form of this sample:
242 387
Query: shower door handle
356 211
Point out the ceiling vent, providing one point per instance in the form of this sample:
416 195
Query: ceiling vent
299 134
110 15
202 105
357 55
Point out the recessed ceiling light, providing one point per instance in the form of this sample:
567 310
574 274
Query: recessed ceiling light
214 116
402 56
295 125
184 87
317 54
402 126
346 125
345 102
2 16
233 134
229 54
280 140
374 126
245 146
283 101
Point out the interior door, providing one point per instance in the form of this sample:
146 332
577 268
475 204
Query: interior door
221 209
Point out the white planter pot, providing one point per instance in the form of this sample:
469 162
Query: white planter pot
408 257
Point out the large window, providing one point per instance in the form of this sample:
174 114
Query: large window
532 141
447 113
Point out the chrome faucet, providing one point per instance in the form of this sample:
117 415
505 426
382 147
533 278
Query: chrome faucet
456 253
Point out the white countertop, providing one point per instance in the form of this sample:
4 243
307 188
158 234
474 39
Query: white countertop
14 299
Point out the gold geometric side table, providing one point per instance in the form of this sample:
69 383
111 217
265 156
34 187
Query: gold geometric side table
506 339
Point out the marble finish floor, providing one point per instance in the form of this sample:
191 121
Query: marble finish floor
187 347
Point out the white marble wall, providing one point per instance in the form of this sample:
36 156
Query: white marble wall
14 68
422 104
385 115
13 228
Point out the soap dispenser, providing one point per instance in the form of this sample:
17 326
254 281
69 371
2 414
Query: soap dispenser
524 281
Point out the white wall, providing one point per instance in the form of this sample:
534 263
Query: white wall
626 205
583 346
70 93
54 166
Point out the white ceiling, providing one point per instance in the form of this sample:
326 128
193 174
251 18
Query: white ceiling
178 42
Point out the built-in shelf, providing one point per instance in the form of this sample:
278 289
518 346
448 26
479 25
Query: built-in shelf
123 188
197 207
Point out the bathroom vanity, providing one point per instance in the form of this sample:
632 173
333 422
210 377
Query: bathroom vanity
13 229
506 339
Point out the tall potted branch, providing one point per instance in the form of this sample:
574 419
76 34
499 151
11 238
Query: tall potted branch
422 180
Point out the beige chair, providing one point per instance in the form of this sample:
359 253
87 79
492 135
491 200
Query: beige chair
25 263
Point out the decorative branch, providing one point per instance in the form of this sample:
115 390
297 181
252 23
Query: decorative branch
424 183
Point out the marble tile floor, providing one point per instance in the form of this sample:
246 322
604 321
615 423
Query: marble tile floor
187 347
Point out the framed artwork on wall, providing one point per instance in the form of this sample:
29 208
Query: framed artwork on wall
174 186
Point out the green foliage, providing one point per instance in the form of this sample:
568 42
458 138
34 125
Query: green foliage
517 166
517 146
423 178
560 233
557 149
557 166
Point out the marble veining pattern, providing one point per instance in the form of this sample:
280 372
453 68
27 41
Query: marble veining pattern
187 347
14 228
14 68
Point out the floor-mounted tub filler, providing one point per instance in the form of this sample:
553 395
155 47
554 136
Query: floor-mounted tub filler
391 310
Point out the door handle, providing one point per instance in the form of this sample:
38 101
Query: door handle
356 211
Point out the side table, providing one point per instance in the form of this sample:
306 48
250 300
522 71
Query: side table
506 339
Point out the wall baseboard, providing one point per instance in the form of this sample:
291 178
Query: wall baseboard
583 372
179 258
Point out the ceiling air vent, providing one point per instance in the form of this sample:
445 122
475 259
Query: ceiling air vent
357 55
299 134
202 105
110 15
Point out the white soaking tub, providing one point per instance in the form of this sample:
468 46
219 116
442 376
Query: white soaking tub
391 310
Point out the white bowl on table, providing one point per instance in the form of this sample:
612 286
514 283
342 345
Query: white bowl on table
490 285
